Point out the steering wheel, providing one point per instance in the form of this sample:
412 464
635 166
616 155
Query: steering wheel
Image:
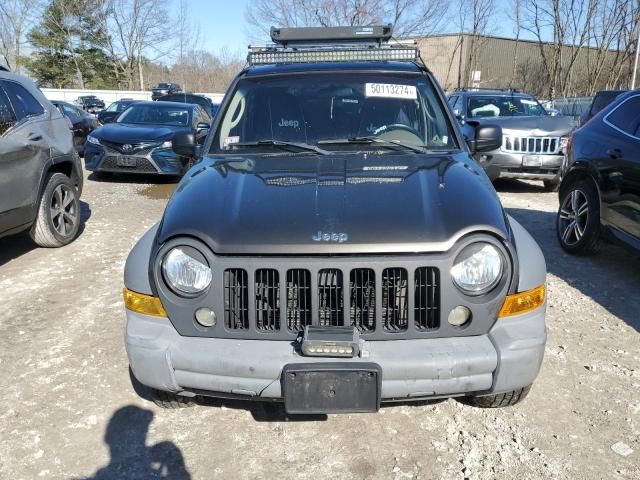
396 126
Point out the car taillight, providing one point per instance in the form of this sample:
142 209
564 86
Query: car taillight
69 123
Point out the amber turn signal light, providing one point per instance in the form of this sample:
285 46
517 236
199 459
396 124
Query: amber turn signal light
145 304
522 302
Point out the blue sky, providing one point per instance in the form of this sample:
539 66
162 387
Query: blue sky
222 23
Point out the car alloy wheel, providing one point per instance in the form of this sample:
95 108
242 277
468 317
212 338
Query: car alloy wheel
63 210
573 217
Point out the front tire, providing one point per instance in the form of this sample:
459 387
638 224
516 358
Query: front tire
578 219
58 220
507 399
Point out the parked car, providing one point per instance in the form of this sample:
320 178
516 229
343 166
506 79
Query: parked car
361 254
82 122
163 89
601 100
204 102
533 141
40 171
139 141
110 113
600 191
90 103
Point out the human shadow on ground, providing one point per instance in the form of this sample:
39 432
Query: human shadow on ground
14 246
609 277
131 458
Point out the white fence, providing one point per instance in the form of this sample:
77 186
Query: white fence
108 96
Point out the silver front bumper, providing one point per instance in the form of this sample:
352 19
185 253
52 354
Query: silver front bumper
507 358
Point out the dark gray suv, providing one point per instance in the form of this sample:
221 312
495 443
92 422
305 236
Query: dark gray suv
40 171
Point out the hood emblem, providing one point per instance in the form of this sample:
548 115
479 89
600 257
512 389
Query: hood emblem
127 148
339 237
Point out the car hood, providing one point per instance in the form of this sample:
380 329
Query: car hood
533 126
127 133
333 204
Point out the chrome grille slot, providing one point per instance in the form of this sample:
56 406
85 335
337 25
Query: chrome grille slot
236 299
362 291
298 313
395 306
267 299
540 145
427 298
330 299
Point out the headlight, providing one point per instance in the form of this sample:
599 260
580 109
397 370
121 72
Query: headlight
166 144
186 271
93 140
563 143
478 268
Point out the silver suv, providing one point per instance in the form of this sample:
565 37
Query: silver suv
40 171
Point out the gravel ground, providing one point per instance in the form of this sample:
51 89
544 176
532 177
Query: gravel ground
68 409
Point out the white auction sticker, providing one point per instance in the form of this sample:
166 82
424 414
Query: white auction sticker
390 90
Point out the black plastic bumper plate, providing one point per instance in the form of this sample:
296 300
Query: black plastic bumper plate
331 387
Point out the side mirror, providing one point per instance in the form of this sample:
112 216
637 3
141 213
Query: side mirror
184 144
487 138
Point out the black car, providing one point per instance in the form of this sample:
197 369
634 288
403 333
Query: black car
600 100
83 123
204 102
90 103
139 141
600 191
163 89
110 113
336 246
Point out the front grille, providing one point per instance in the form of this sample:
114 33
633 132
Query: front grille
542 145
387 300
136 147
330 299
427 298
298 299
143 164
236 299
362 289
395 308
267 291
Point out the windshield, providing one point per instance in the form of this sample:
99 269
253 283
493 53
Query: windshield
163 85
155 115
334 111
504 106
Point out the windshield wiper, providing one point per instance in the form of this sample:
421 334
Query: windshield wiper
282 144
376 140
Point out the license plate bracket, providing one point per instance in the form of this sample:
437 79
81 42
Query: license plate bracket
531 161
123 161
340 387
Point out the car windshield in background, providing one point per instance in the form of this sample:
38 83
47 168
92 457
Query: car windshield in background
163 85
117 106
503 106
382 112
155 115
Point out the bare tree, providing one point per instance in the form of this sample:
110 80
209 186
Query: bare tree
516 17
475 20
409 17
16 17
138 28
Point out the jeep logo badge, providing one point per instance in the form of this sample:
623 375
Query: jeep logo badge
338 237
289 123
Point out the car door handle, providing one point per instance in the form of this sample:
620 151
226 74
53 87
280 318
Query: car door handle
614 153
34 138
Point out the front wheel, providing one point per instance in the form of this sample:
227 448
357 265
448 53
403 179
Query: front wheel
58 220
496 401
578 220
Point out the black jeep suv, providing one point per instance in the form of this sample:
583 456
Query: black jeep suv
163 89
40 171
335 245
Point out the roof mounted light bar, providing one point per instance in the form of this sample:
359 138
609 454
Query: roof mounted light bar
333 44
374 33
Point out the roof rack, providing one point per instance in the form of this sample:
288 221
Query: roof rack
333 44
480 89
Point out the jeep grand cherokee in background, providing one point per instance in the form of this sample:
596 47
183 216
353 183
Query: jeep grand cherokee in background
533 141
336 245
40 171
